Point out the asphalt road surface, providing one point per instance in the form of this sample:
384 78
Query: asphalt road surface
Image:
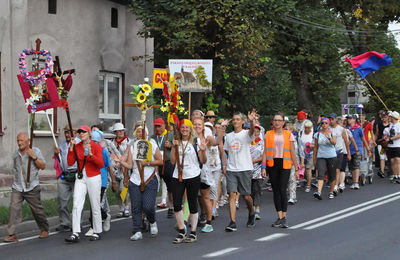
358 224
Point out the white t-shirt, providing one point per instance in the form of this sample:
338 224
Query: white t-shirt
338 130
191 167
303 140
213 158
207 132
392 131
148 170
238 147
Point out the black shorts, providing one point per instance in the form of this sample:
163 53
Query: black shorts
204 186
393 152
339 160
326 165
344 163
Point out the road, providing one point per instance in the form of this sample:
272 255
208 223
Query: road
361 224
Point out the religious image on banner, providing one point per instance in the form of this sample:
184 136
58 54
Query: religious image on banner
142 150
192 75
38 97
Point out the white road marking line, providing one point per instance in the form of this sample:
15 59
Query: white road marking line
221 252
271 237
56 232
343 211
351 213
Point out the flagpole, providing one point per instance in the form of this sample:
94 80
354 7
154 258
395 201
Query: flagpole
387 109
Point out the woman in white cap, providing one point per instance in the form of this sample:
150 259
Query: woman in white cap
306 147
392 136
90 161
143 185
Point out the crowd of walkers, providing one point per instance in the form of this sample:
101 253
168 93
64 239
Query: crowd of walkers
199 168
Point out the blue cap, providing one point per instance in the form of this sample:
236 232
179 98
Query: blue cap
352 117
333 115
97 135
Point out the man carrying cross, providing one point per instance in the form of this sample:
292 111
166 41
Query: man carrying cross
21 191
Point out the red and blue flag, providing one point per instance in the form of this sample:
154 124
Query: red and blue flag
368 62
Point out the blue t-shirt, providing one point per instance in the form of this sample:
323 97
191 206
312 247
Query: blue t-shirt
358 134
325 148
104 171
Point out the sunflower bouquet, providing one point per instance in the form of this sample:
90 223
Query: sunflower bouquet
172 102
143 95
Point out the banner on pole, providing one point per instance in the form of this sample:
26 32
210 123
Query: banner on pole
192 75
158 74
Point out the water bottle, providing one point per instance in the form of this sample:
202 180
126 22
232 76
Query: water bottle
86 152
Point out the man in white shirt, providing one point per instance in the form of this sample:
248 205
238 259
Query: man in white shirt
392 135
240 166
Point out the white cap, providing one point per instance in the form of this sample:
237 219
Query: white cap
208 124
394 114
286 119
118 126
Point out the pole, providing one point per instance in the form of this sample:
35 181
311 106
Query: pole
28 174
190 103
72 136
377 95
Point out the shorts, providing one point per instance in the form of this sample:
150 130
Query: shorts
339 160
393 152
167 176
214 188
239 182
343 166
354 163
326 165
310 163
381 156
204 186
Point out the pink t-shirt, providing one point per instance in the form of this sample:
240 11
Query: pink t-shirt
279 144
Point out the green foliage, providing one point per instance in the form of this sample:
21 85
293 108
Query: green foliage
202 76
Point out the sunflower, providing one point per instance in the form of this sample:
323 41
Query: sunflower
143 106
146 88
141 97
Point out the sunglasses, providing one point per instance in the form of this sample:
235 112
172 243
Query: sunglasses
209 117
82 132
324 122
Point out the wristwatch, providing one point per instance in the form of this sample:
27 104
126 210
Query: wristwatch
34 159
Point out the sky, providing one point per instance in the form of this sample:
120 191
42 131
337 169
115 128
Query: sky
396 26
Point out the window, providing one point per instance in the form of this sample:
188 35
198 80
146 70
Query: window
110 98
42 126
114 17
52 6
1 126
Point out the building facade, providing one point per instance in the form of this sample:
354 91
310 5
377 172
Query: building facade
97 38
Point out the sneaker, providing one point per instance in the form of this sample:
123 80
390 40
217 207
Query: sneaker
277 223
391 177
315 184
95 237
251 222
308 189
63 228
317 195
180 238
120 214
153 229
170 213
162 205
335 192
126 213
10 239
258 216
381 173
237 204
74 238
231 227
137 236
207 228
331 196
191 238
221 203
107 223
355 186
284 223
89 233
341 188
291 201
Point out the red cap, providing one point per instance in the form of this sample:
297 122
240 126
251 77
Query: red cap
159 121
257 126
301 115
84 128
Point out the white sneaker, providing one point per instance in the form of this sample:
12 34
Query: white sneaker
107 222
308 189
136 236
291 201
89 233
153 229
356 186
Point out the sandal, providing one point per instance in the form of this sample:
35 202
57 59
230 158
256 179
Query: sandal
191 238
180 238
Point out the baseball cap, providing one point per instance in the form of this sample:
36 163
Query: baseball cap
118 126
332 115
208 124
257 126
84 128
301 115
352 117
395 115
308 123
159 121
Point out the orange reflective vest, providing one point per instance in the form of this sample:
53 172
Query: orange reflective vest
270 146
